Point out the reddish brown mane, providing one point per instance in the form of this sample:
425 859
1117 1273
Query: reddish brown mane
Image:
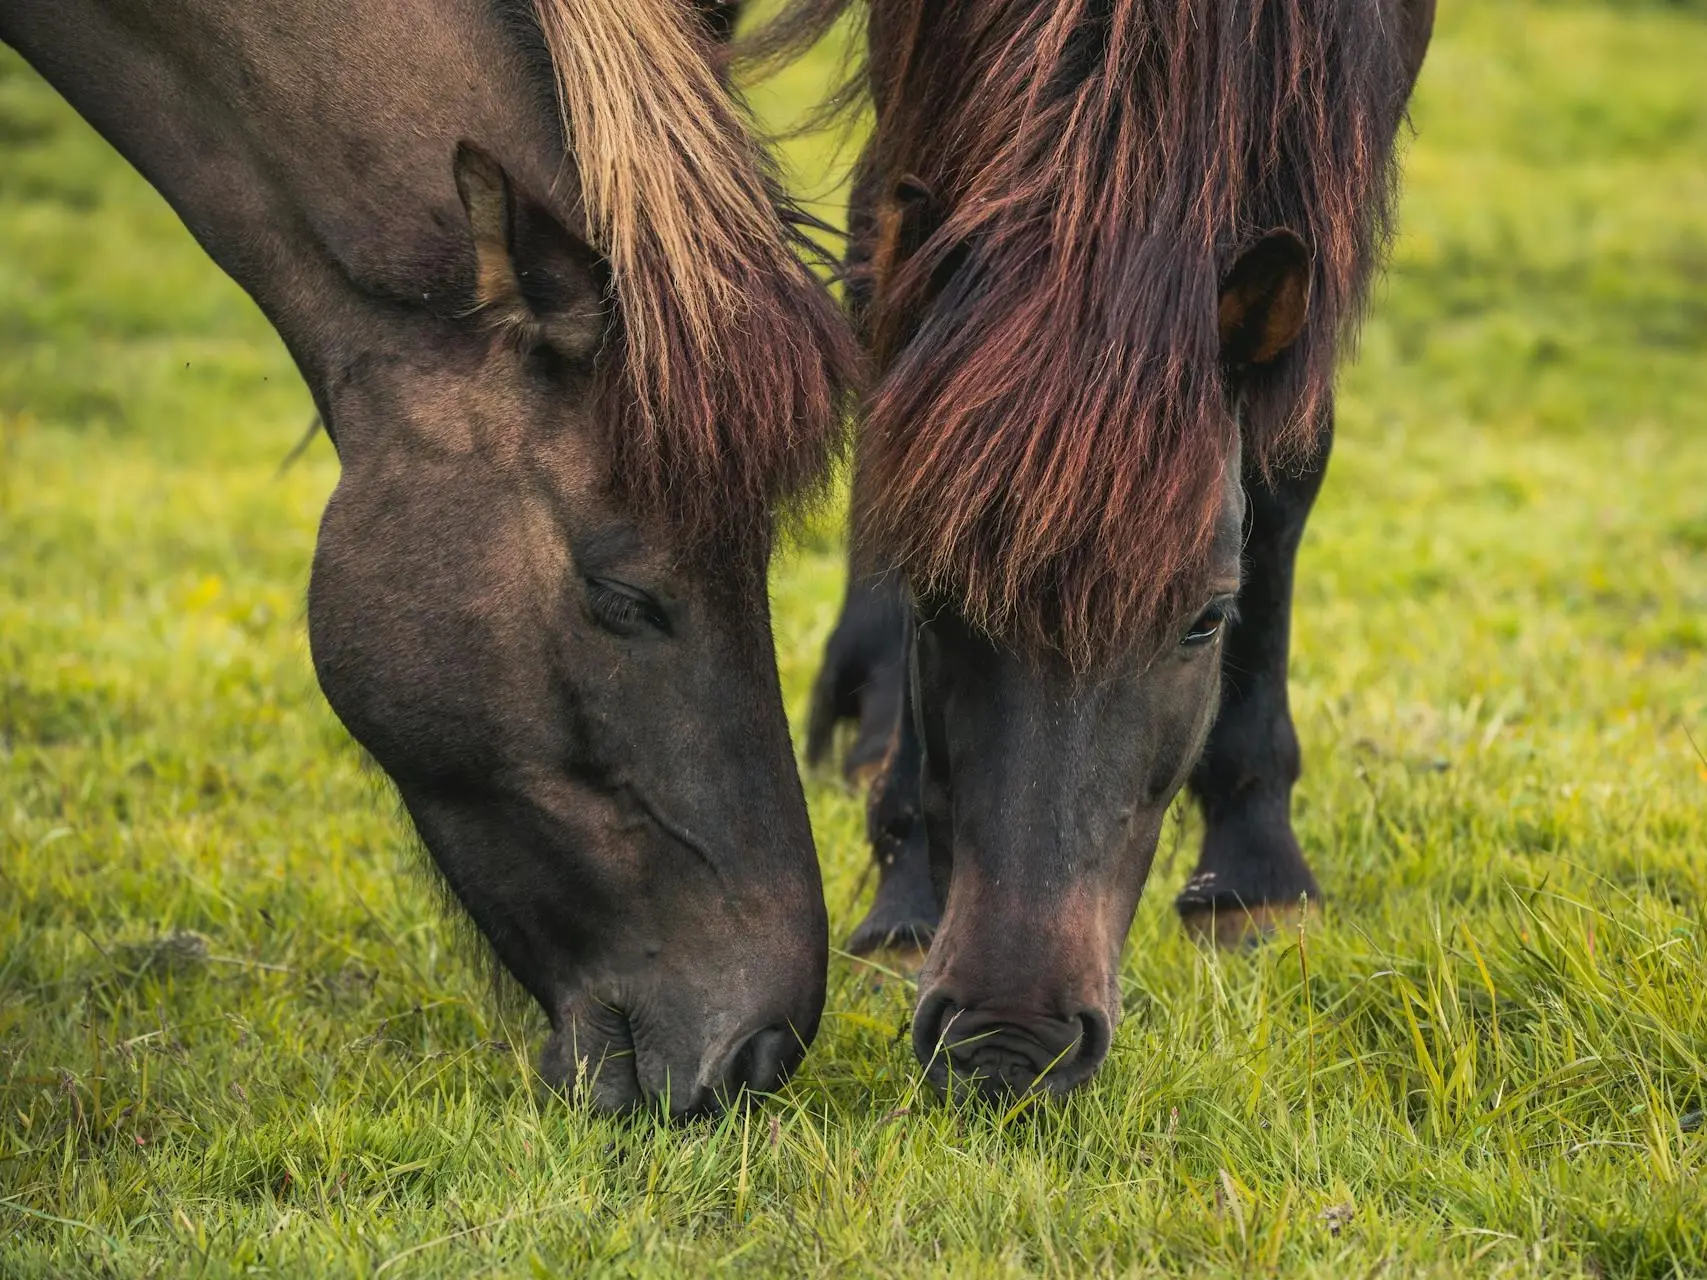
1047 440
725 395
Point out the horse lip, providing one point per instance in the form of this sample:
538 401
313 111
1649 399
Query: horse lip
565 1068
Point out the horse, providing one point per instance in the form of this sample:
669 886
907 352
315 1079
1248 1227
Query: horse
1105 255
554 313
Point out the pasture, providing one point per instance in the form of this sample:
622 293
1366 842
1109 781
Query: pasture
238 1034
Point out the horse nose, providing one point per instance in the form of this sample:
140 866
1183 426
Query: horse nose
1001 1052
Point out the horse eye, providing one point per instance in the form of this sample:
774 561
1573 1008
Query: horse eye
1209 624
624 610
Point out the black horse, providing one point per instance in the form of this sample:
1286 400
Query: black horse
1105 254
569 389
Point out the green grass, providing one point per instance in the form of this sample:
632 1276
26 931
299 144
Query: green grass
1489 1056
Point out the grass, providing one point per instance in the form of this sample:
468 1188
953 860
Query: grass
1489 1056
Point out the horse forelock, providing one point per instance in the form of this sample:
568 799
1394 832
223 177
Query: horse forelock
725 390
1047 440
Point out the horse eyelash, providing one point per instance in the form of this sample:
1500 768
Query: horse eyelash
613 604
622 609
1226 612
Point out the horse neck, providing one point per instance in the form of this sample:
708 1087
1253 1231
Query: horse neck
308 144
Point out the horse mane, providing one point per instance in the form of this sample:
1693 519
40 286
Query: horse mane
725 397
1046 443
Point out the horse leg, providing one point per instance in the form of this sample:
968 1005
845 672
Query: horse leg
1251 875
904 915
864 669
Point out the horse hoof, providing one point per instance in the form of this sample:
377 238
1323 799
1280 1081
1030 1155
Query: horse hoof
891 952
861 776
899 962
1241 928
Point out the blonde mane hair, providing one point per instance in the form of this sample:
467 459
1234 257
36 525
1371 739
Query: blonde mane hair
726 389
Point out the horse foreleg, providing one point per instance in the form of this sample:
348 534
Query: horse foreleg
904 915
860 680
1251 875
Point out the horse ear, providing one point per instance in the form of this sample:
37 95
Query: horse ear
533 276
905 219
1265 299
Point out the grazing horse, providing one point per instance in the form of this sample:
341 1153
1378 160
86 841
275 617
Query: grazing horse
569 386
1105 254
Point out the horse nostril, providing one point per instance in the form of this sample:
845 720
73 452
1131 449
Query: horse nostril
1095 1036
1001 1052
932 1022
763 1062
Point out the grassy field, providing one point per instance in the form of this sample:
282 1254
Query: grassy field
1489 1056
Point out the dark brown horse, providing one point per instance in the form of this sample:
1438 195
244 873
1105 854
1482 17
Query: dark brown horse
568 389
1106 253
